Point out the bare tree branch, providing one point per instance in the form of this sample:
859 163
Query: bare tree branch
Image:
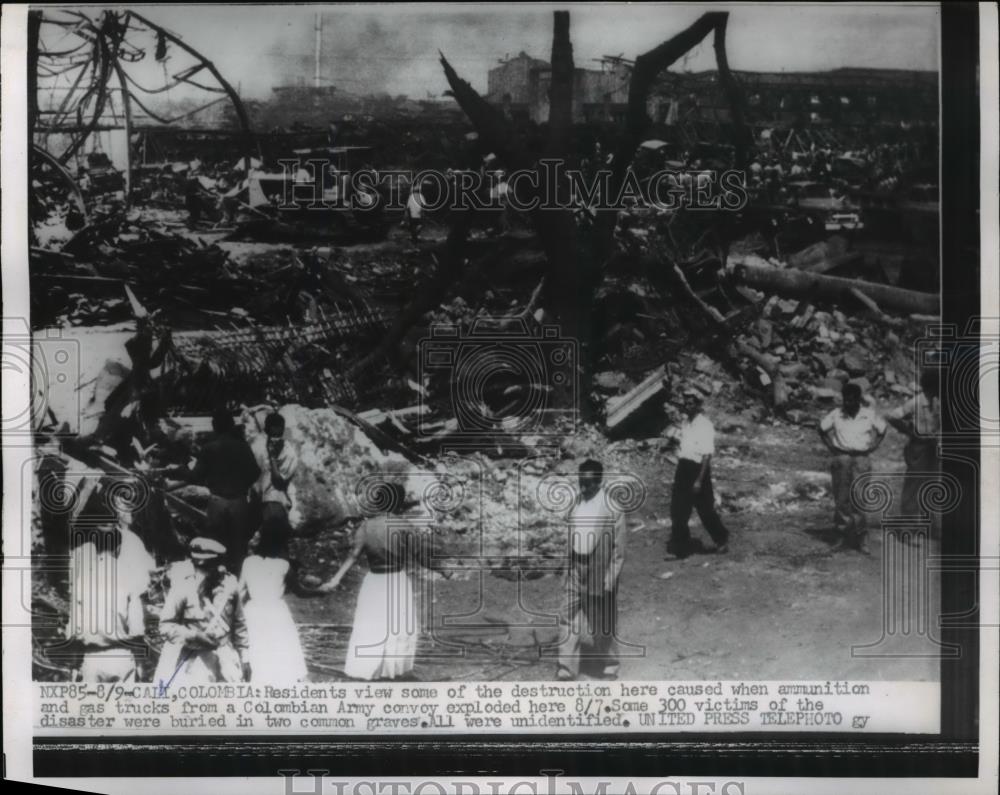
742 140
493 129
647 68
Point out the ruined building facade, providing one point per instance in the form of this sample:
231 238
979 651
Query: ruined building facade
843 97
520 86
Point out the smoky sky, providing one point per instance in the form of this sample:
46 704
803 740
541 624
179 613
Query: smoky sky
394 48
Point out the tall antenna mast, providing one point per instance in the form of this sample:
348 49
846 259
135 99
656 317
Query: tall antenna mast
319 47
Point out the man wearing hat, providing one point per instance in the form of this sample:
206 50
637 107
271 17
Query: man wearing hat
202 622
227 466
693 482
851 433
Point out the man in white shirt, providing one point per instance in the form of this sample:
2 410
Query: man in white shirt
851 433
596 556
919 418
692 488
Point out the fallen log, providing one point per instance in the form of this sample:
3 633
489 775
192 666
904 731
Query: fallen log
790 282
876 310
779 389
620 408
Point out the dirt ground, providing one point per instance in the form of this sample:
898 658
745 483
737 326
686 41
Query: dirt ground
783 599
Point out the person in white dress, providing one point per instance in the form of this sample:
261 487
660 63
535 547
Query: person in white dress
384 637
275 651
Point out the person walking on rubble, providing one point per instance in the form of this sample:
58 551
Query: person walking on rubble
596 555
851 433
692 489
226 465
919 419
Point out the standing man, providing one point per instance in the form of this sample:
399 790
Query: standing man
919 418
277 461
851 433
202 623
226 465
596 556
693 482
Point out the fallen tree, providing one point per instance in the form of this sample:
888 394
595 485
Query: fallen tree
803 284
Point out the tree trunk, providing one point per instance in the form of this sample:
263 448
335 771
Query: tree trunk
802 284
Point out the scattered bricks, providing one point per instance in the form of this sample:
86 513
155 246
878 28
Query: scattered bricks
802 320
855 361
840 375
611 381
703 364
794 370
824 393
797 416
765 329
825 359
787 306
703 385
770 306
889 376
733 425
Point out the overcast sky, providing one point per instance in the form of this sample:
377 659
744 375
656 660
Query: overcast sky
394 47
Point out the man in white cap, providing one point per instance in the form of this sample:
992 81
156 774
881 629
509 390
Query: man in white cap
202 623
693 482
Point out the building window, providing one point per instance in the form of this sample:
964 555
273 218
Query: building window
814 99
845 101
755 99
872 101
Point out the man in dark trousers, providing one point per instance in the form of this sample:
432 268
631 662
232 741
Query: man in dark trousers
596 555
226 465
278 462
693 482
851 433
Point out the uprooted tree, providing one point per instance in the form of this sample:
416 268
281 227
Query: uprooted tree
578 247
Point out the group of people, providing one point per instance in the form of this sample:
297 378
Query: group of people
225 618
851 432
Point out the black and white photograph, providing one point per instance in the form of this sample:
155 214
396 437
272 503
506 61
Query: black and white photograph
415 371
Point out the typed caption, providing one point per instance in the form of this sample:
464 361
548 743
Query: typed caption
484 707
